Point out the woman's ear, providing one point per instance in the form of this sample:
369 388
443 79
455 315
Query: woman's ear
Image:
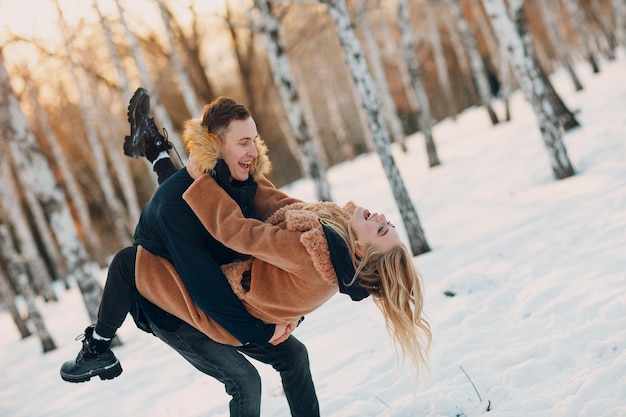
358 249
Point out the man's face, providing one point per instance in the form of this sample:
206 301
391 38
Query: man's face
239 150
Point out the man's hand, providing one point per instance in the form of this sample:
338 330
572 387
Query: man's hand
282 332
193 168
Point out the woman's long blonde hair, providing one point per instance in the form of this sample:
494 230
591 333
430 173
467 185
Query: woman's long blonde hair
396 287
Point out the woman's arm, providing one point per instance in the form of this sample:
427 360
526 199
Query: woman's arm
223 218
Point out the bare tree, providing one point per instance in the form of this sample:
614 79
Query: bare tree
184 83
338 11
441 64
119 214
161 115
18 270
476 62
75 195
125 87
11 203
387 104
284 80
36 175
7 300
529 76
551 26
580 23
412 63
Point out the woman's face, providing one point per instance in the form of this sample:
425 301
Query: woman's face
373 229
238 149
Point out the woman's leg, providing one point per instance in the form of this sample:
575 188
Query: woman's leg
291 360
240 378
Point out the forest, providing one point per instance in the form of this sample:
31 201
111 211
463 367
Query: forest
326 81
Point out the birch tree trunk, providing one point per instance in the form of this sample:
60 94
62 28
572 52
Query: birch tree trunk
605 29
7 300
388 106
551 26
441 64
118 214
283 77
10 201
75 195
184 83
36 175
530 79
18 270
392 52
126 92
365 86
118 162
564 116
476 62
410 57
460 53
619 9
157 108
580 24
334 115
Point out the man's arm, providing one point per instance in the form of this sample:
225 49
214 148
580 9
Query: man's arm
223 218
268 199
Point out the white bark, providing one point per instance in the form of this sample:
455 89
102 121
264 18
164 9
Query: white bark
118 162
365 86
36 175
619 9
184 83
7 300
410 57
440 60
125 87
531 82
118 213
18 269
10 201
158 110
561 49
580 25
388 106
75 194
605 28
476 63
310 149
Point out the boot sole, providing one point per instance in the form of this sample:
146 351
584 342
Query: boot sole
109 372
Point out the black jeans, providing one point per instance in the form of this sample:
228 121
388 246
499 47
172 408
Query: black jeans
225 363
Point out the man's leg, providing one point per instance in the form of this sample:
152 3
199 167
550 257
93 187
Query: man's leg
224 363
95 357
291 360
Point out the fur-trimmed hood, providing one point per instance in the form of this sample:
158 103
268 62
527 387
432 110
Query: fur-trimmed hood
206 149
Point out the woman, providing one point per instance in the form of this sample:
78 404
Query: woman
303 255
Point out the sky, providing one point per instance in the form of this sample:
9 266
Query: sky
525 288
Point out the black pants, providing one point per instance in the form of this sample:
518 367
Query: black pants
223 362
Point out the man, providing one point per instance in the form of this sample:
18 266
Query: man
168 228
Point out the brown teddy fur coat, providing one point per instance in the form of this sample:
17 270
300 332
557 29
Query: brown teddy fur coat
290 276
154 274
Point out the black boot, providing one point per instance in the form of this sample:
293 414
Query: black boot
145 139
94 359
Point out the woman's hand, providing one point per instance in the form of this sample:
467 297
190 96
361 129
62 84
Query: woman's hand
193 168
282 332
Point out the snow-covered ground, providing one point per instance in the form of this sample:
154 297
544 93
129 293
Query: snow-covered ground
537 268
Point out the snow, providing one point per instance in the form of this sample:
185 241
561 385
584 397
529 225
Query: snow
537 268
